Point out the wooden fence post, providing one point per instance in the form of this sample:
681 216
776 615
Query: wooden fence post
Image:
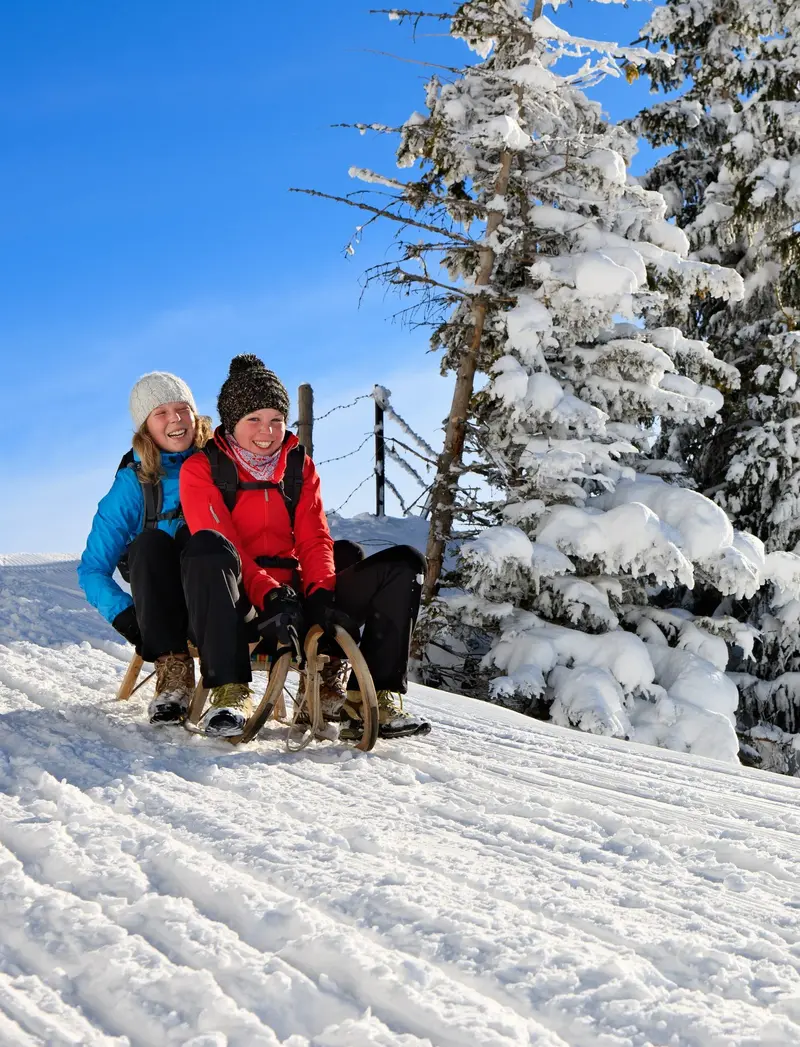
305 417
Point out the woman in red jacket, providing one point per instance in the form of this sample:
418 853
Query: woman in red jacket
253 571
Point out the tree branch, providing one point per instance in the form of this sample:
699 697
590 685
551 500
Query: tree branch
398 276
382 212
411 61
397 12
384 129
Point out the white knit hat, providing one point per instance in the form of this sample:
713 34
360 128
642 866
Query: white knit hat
154 389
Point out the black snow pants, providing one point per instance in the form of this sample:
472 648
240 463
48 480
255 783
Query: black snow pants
154 563
381 593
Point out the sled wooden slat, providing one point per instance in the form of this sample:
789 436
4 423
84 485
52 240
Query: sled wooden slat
280 708
310 703
369 709
130 678
268 705
197 704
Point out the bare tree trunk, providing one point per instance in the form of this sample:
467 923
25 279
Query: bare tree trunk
449 463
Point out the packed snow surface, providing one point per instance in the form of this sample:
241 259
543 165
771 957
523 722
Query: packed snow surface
501 882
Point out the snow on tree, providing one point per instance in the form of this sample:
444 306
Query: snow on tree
732 182
558 267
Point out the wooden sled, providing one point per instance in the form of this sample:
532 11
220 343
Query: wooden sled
272 704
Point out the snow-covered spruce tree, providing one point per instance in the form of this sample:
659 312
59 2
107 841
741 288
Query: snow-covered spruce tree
566 416
557 263
732 182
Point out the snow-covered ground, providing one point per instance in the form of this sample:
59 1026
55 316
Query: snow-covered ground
373 533
501 882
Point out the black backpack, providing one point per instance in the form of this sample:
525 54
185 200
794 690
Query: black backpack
226 477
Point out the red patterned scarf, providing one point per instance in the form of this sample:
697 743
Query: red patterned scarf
260 466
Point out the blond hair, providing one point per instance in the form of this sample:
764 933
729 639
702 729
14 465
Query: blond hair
151 471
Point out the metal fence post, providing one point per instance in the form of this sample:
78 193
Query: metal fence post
380 463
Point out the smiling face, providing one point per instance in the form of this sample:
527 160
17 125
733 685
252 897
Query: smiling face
172 426
261 432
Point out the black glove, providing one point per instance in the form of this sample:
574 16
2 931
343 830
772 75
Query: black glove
282 619
126 625
321 610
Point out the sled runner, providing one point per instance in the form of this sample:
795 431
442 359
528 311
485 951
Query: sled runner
272 705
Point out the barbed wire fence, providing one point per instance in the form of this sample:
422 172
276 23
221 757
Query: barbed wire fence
385 450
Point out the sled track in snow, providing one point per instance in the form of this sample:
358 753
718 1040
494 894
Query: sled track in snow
498 883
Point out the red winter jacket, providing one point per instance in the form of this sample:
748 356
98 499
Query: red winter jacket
259 524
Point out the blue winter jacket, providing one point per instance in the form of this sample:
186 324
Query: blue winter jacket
118 520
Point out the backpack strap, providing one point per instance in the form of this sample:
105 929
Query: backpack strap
223 473
153 495
153 500
226 477
292 483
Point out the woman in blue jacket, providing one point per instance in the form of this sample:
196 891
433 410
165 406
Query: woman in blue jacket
139 527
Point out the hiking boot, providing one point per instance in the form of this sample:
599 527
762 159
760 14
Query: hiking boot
332 693
393 721
332 688
174 687
231 708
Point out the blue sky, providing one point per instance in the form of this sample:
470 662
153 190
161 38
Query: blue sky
146 224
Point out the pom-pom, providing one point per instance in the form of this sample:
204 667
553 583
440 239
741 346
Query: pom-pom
246 362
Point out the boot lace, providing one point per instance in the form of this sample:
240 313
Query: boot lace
333 680
173 674
389 701
231 696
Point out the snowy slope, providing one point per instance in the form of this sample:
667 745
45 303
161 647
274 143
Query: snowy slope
500 882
